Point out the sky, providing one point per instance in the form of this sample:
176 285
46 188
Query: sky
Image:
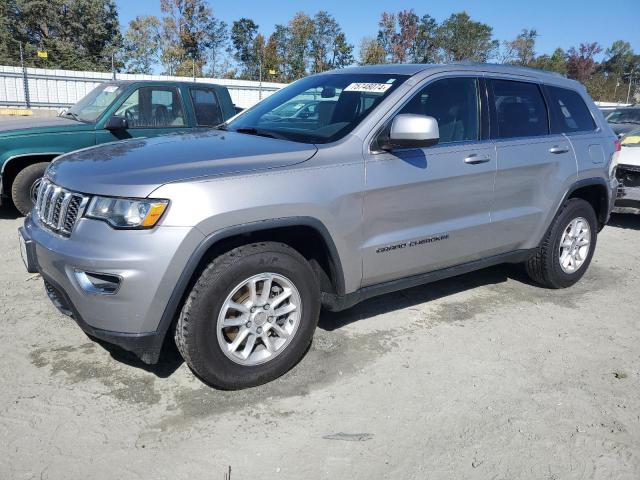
560 23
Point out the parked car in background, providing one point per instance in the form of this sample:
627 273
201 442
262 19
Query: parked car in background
623 120
628 172
112 111
232 240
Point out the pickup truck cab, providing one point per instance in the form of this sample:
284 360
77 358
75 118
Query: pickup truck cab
111 112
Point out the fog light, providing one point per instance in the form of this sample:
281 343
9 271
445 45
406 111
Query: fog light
98 283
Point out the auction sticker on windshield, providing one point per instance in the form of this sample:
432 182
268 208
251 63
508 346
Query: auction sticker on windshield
368 87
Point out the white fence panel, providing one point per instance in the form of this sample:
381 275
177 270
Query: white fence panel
62 88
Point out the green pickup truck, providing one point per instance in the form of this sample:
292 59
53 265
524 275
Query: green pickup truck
113 111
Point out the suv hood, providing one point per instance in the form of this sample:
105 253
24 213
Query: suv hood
135 168
30 126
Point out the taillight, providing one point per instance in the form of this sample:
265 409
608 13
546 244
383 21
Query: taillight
618 145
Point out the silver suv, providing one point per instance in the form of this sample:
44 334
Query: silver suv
233 239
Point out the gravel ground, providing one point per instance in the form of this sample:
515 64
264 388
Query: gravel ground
480 376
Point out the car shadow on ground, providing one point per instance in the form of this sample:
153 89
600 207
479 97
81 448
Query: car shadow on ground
625 220
169 361
8 212
390 302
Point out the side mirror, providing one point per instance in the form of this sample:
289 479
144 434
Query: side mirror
412 131
117 123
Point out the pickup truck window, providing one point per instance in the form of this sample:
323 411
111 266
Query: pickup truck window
341 102
206 107
153 107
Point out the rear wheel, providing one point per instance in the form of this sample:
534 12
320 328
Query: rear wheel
24 188
250 316
567 250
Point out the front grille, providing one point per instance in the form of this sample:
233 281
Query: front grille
57 208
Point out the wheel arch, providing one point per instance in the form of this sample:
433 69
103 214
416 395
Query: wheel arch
14 164
596 192
307 235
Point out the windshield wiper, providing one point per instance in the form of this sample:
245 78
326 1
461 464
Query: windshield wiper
261 133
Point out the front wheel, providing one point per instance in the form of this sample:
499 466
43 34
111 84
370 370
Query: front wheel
24 188
567 250
250 317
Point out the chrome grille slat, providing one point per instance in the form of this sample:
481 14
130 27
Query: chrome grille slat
57 208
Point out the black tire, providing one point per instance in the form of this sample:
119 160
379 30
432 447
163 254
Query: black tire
196 329
21 188
544 267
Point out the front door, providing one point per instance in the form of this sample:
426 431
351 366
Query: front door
150 112
429 208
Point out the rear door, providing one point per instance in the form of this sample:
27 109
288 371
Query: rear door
429 208
533 163
571 117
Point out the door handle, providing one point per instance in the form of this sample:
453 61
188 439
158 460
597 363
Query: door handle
475 159
558 149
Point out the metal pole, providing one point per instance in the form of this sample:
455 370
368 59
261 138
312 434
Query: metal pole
25 79
630 82
113 65
193 67
260 79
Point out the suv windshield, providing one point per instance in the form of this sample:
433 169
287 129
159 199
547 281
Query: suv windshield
342 101
90 107
625 115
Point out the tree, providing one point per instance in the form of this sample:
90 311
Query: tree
77 34
329 47
620 58
521 50
427 43
581 64
243 33
8 47
217 39
371 52
557 62
276 53
185 35
301 29
464 39
142 44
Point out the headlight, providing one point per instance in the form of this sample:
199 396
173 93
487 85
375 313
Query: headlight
127 212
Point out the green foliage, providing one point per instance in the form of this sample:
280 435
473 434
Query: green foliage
466 40
142 44
76 34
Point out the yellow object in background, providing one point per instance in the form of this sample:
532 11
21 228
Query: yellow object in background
631 139
42 54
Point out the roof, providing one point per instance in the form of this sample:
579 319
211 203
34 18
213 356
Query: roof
412 69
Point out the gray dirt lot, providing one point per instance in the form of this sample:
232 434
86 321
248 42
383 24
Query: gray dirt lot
481 376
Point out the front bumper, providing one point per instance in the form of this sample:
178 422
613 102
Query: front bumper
148 262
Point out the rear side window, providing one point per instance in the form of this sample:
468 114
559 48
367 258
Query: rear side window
520 109
569 112
206 107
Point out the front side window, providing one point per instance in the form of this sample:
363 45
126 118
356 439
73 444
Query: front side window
317 109
570 113
520 109
453 102
153 107
205 106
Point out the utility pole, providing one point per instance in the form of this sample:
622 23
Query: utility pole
113 65
260 77
630 83
25 79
